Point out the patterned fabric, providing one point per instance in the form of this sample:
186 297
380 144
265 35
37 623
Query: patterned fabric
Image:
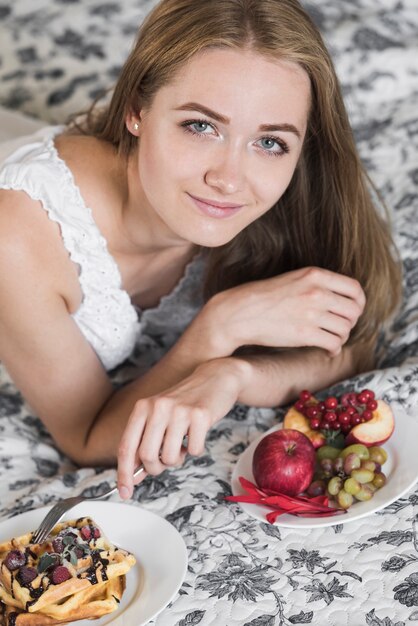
242 572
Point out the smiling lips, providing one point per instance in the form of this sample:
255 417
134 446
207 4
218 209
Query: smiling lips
216 209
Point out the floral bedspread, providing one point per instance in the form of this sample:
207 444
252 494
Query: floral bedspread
54 56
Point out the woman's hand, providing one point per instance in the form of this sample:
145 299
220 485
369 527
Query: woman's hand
309 307
158 424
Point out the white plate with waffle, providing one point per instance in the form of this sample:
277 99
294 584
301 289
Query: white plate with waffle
160 553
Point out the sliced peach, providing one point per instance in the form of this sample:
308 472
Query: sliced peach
377 430
295 420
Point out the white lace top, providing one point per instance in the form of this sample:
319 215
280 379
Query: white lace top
106 316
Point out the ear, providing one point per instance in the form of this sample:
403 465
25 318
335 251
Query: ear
133 124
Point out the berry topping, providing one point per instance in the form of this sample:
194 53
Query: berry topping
60 574
89 532
79 552
14 560
85 532
26 575
58 545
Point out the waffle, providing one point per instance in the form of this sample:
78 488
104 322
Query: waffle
77 573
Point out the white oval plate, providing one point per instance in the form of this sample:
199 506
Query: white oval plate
158 548
401 469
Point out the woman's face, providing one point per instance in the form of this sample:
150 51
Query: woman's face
219 144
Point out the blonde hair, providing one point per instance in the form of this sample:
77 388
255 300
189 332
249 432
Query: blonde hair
326 217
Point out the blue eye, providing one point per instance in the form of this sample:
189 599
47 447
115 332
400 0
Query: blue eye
273 146
198 127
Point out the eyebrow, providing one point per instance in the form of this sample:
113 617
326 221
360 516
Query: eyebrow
195 106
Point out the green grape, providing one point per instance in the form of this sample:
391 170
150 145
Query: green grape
351 462
364 494
379 480
368 465
334 485
351 485
344 499
327 452
378 455
362 476
356 448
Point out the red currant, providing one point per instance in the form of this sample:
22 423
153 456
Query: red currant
363 397
335 426
330 416
305 395
353 399
299 405
345 428
372 405
321 406
355 419
344 417
331 403
312 411
367 415
351 410
315 423
345 399
370 393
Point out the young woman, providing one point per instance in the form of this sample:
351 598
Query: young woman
225 148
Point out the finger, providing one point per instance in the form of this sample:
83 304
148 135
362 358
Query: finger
138 479
127 450
152 443
326 340
197 435
343 285
345 307
337 325
172 449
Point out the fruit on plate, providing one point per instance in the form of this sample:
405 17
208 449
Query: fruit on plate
349 475
297 421
284 462
375 431
358 417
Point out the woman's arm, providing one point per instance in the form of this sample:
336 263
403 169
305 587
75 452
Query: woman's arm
60 375
158 424
311 307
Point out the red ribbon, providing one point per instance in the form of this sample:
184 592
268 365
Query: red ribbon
301 506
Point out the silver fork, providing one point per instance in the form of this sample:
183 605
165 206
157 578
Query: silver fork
54 515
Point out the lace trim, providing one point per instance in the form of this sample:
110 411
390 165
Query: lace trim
102 305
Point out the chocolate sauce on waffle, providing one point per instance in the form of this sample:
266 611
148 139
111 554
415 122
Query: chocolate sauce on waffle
91 572
12 619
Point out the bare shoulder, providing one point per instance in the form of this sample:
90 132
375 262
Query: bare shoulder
31 246
24 224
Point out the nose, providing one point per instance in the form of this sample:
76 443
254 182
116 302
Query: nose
227 172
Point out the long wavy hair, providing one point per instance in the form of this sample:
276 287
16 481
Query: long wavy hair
326 217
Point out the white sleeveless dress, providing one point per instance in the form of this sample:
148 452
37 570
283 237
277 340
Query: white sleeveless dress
114 327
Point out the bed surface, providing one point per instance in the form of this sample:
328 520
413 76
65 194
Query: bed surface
53 58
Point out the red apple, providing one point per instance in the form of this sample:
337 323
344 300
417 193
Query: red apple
284 461
377 430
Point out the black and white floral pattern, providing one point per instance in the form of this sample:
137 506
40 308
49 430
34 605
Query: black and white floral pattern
55 56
